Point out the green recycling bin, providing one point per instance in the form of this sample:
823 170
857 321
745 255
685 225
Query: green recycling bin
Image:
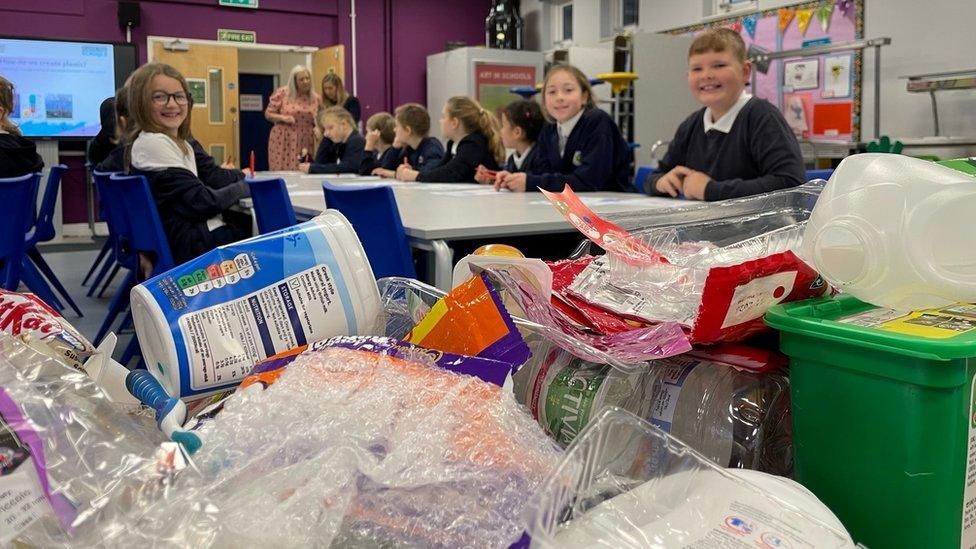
884 417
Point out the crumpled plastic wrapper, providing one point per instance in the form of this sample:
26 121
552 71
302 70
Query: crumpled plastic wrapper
72 460
351 448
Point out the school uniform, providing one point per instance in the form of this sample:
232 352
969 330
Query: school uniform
587 152
528 162
428 154
184 203
387 161
208 171
18 156
461 160
102 145
749 150
352 105
339 157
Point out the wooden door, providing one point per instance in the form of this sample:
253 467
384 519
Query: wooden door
326 60
211 72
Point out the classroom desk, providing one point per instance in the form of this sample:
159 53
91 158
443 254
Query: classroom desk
435 213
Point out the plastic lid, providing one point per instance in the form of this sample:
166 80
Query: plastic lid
933 334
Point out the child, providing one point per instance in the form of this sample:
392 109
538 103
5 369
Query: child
18 156
473 140
158 131
737 145
346 151
582 145
379 151
422 152
522 122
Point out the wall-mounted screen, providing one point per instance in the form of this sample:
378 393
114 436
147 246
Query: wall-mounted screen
59 86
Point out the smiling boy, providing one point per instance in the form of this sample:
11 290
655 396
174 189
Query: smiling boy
737 145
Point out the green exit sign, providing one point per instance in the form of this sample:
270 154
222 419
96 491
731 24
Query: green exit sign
231 35
253 4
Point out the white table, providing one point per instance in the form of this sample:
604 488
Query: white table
435 213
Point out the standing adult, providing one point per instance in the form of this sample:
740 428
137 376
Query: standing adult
334 94
293 110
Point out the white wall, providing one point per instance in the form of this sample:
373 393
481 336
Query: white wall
926 37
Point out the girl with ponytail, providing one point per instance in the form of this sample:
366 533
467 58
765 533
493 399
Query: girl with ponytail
18 156
473 140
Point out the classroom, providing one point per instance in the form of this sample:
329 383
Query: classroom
522 273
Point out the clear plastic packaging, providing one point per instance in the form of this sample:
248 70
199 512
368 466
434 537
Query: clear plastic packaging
734 418
406 301
725 265
71 459
626 484
353 448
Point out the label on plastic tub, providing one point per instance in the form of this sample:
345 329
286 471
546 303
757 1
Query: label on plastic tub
225 340
204 324
942 323
25 494
968 538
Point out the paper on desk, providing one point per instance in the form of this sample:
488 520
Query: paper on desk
481 191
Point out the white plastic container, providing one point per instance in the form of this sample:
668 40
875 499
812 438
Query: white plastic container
624 483
896 232
204 324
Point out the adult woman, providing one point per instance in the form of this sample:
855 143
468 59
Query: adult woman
334 95
293 109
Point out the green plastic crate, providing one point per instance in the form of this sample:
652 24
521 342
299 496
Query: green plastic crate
883 417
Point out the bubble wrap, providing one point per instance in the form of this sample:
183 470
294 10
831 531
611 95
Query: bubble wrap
350 448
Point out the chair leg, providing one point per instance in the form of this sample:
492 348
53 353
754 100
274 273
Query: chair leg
101 273
38 260
36 284
108 280
131 350
126 323
119 302
101 255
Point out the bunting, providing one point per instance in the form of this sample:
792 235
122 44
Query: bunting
749 22
824 13
785 17
803 20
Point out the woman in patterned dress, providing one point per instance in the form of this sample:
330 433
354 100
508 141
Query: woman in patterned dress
292 109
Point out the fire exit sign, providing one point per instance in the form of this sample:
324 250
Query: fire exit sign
231 35
253 4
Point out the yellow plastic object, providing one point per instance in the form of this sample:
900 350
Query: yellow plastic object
618 80
503 250
538 86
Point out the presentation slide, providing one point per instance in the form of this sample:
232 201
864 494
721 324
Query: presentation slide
58 86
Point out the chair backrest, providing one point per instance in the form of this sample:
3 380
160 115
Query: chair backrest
16 211
139 208
642 173
44 224
272 207
118 225
373 213
819 174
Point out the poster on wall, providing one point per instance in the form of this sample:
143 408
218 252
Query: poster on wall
798 111
801 75
837 75
493 83
198 91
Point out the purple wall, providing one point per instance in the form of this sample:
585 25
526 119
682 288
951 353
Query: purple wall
394 37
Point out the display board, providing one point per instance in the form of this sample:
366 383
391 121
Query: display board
820 95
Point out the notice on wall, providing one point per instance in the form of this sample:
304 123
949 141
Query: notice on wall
251 102
494 83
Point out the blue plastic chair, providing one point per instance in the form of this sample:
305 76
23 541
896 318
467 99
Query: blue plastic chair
106 252
121 253
111 266
373 213
272 207
16 217
43 231
142 233
819 174
643 172
526 92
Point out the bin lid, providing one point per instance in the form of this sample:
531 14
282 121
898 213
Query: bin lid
932 334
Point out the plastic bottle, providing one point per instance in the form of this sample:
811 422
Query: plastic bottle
895 231
735 418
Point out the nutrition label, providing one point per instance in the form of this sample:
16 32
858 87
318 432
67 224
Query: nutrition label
223 341
217 275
